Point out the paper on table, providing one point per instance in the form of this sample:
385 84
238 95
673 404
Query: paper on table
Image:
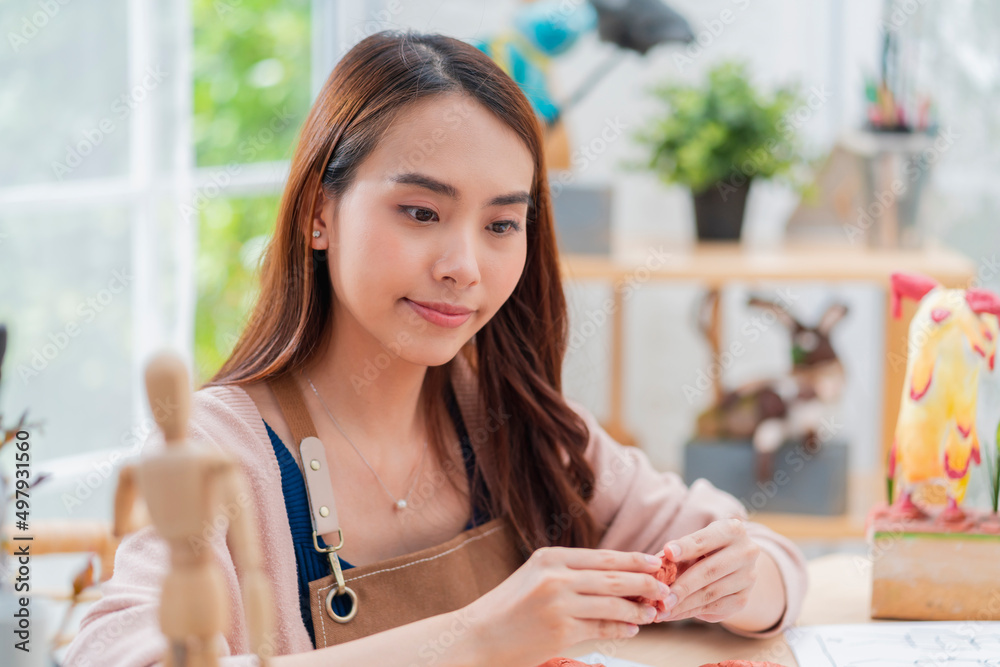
956 643
600 658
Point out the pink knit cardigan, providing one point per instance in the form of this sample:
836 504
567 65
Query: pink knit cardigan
643 509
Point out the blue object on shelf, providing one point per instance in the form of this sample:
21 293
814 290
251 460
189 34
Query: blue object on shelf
804 481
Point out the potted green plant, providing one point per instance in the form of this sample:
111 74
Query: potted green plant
716 139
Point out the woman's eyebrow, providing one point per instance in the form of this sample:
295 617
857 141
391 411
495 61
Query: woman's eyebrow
434 185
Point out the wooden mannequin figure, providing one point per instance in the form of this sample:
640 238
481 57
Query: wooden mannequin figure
184 487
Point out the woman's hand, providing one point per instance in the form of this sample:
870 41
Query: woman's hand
562 596
721 575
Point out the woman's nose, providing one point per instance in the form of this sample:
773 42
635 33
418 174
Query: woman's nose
458 263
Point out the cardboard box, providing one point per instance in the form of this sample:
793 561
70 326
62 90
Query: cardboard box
928 570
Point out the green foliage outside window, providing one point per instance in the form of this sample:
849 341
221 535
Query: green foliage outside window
251 66
251 95
231 238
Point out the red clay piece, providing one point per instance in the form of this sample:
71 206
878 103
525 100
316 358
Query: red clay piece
668 573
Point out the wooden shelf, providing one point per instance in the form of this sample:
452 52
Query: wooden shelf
641 260
717 264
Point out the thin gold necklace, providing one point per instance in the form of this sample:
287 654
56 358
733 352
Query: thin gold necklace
400 503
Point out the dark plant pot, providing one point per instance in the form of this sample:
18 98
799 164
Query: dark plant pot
718 211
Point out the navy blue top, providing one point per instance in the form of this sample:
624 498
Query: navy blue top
311 564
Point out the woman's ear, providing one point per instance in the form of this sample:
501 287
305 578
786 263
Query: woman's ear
321 221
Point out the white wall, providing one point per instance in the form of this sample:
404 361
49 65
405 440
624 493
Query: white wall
828 46
822 44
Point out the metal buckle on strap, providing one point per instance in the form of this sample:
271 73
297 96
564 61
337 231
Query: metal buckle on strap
329 600
338 573
322 506
340 535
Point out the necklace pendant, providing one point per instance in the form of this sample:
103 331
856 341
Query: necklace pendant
401 504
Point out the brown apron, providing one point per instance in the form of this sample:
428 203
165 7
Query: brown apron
393 592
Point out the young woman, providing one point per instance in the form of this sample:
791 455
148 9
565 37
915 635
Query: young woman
412 317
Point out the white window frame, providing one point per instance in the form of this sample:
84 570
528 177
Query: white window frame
142 188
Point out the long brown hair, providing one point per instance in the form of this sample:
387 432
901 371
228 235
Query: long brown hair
533 465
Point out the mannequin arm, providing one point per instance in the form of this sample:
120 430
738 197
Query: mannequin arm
128 518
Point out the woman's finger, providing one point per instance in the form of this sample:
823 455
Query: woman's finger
713 568
620 584
590 629
715 611
712 537
696 602
599 607
598 559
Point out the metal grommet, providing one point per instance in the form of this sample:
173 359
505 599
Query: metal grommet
324 511
354 605
314 464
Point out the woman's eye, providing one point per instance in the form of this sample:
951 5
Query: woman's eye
425 215
419 213
506 231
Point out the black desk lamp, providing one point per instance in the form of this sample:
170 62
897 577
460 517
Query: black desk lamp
632 25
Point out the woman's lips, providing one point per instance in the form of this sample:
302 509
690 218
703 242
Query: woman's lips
437 317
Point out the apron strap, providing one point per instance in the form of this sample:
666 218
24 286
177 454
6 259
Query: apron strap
293 407
316 474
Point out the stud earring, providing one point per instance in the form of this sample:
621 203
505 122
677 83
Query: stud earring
316 234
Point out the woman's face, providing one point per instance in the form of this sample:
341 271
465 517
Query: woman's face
436 215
